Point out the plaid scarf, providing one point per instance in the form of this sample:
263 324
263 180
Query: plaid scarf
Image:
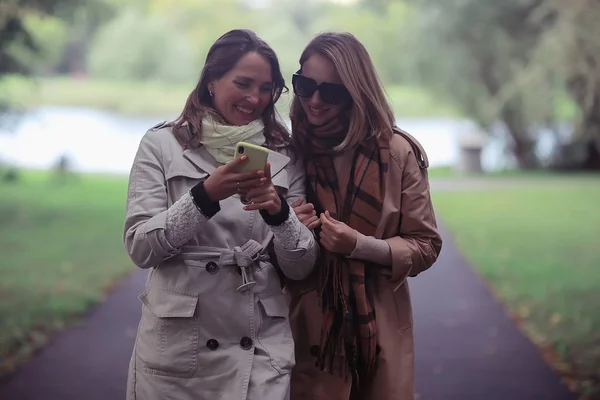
349 334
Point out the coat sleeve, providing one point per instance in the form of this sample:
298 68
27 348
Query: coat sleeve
419 242
299 262
145 219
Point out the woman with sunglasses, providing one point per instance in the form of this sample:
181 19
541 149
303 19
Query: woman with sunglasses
369 203
214 321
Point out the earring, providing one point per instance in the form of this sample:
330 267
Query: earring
210 93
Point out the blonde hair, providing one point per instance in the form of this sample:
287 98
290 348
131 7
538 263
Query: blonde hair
370 113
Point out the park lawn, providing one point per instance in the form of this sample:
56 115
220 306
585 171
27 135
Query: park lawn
62 250
441 172
538 248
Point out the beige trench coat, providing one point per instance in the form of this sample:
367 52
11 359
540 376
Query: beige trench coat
409 226
199 336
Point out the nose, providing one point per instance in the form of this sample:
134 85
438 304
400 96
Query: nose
315 99
253 98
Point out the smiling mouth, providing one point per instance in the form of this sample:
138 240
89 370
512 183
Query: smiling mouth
244 110
317 111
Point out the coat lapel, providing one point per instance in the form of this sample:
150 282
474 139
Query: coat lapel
278 162
201 159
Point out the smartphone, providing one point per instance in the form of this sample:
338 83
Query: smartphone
257 157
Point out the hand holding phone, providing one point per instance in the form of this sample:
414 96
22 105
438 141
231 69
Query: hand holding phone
226 181
265 196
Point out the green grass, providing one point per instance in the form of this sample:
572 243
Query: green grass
541 175
61 246
441 172
539 250
156 98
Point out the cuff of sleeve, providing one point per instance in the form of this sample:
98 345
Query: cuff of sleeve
401 261
280 217
371 249
357 246
203 202
155 235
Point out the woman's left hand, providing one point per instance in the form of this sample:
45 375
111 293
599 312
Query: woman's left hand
265 196
336 236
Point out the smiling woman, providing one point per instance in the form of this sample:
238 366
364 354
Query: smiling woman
214 317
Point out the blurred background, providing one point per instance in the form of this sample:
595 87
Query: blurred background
503 95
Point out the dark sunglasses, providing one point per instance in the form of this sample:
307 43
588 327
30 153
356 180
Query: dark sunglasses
332 93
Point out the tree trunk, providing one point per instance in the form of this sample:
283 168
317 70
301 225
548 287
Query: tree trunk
592 161
523 147
587 129
511 115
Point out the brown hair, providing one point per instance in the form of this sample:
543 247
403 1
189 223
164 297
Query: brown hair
370 112
223 55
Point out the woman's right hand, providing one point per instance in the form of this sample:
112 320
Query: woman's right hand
306 214
225 182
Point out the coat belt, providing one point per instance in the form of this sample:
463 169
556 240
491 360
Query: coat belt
244 257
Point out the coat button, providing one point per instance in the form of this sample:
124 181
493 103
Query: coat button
212 267
314 350
246 343
212 344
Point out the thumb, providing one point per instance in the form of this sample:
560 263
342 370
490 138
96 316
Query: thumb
325 221
329 217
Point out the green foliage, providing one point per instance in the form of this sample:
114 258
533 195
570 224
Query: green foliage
462 51
18 43
202 22
152 50
51 35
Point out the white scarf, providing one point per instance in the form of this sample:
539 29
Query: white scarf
220 140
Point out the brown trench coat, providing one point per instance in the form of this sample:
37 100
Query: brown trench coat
408 224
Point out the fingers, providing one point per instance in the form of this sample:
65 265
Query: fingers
298 202
247 181
329 217
305 209
312 222
265 202
249 185
261 190
307 215
263 197
325 221
268 171
232 165
257 206
246 176
260 199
